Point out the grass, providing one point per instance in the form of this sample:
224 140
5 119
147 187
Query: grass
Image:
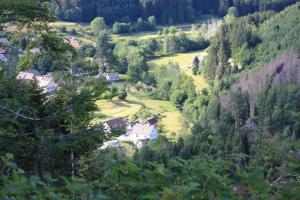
136 36
66 24
184 60
170 118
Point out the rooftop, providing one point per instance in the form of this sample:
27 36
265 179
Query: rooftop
28 75
141 129
73 42
45 80
116 123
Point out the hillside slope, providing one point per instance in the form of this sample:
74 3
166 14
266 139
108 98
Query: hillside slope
283 70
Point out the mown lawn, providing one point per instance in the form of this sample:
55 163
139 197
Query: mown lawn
170 118
184 60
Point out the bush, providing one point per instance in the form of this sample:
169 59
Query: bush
121 28
62 29
98 24
122 93
73 31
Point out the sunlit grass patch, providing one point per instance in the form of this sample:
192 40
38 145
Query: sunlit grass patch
170 118
184 60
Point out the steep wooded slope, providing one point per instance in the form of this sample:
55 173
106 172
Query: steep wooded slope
275 60
281 71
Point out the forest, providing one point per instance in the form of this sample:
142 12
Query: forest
238 135
165 11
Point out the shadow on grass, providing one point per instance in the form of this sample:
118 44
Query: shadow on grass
100 115
118 103
137 103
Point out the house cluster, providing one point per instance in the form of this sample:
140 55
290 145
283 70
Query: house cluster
4 44
138 133
46 82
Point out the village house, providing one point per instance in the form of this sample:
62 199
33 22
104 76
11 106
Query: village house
46 82
73 42
139 134
28 75
117 123
152 121
112 77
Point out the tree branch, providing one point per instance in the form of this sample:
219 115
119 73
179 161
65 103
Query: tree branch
18 114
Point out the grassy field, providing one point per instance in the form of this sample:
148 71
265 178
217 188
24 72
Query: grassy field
170 117
184 60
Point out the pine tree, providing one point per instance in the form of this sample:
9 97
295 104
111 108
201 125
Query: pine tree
196 64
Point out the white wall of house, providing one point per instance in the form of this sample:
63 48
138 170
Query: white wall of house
50 87
137 137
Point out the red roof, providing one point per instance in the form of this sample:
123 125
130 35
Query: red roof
73 42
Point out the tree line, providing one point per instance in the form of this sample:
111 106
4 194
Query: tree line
165 11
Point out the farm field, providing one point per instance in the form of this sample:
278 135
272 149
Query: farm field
170 118
184 60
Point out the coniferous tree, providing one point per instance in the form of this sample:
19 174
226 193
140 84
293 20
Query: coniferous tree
196 64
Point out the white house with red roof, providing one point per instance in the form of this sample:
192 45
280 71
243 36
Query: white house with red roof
139 134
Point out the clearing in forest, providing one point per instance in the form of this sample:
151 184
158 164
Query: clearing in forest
184 60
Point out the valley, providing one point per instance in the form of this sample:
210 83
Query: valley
149 99
170 118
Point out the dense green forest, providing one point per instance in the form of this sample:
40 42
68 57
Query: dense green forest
165 11
241 133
